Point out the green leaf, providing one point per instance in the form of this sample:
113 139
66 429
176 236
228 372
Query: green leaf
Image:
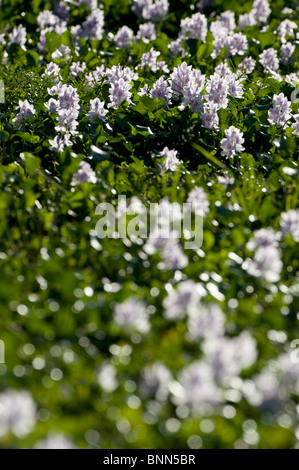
53 41
209 156
30 161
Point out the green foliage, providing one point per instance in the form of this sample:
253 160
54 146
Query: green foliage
59 283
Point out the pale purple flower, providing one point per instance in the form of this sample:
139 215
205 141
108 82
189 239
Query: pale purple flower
263 238
232 143
93 26
149 59
295 125
194 27
53 71
59 142
286 28
227 357
287 51
62 10
179 78
289 223
247 19
196 388
52 105
119 92
17 413
225 180
280 112
227 20
223 70
55 441
205 321
292 79
145 90
106 377
18 36
221 38
77 67
67 122
171 161
161 90
67 111
146 32
68 97
124 37
132 315
235 87
261 10
247 65
116 73
209 116
151 9
64 52
85 174
97 110
155 379
269 60
192 96
267 386
46 18
199 200
181 301
217 88
276 76
176 48
26 111
277 381
238 44
266 264
173 255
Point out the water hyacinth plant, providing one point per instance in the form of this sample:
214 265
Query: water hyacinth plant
172 126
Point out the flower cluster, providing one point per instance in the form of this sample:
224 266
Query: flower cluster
280 112
26 111
151 9
232 142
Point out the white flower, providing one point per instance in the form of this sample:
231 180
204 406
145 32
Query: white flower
280 112
199 201
85 174
132 315
295 125
97 110
196 388
262 238
182 300
229 356
269 60
26 111
106 377
171 160
232 143
55 441
155 380
17 413
205 320
289 223
266 264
